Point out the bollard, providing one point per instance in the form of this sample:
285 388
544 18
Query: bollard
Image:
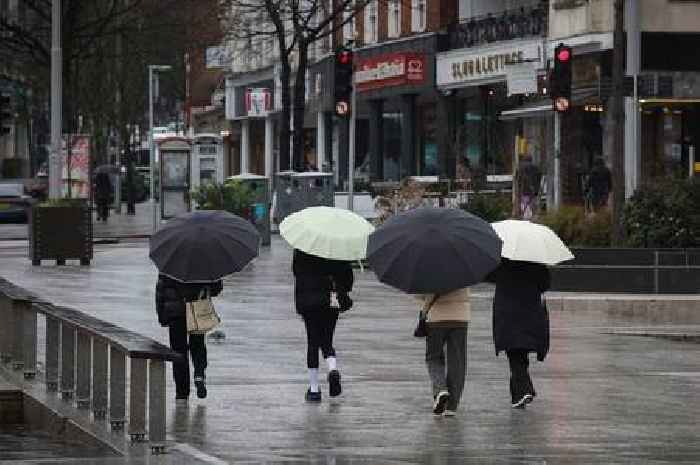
84 370
100 378
67 361
156 404
117 389
29 340
53 346
137 399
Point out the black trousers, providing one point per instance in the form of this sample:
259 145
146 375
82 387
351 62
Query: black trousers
102 210
196 348
320 327
520 381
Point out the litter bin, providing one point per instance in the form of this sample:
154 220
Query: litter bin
283 195
297 191
260 209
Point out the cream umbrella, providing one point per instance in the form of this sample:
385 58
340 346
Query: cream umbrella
328 232
531 242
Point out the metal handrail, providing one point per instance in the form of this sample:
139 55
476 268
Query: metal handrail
87 347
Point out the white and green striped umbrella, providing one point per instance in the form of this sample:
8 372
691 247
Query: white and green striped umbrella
328 232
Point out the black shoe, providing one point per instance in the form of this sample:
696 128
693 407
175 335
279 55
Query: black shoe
201 385
440 403
334 387
313 396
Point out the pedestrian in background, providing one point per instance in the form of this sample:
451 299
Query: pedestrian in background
103 195
317 280
447 320
520 321
171 296
527 179
599 184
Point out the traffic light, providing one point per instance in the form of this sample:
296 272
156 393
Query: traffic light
343 81
560 81
5 114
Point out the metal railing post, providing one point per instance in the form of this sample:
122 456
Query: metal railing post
137 399
100 378
84 370
156 406
29 340
5 330
67 360
117 389
17 332
53 346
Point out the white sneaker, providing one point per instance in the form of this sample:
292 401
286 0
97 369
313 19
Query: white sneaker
440 402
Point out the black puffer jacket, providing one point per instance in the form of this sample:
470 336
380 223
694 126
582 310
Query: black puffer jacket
171 296
520 319
316 277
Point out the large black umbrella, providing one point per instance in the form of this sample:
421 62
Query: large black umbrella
204 246
433 250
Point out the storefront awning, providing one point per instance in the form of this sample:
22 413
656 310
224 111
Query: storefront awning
534 109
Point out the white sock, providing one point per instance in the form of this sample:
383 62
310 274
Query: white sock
332 364
313 379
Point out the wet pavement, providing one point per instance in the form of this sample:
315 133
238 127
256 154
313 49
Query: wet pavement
603 396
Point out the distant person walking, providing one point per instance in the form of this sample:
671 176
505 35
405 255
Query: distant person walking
103 195
171 296
527 181
447 321
317 280
520 321
599 184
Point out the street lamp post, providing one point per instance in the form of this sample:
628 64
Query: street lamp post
152 69
55 162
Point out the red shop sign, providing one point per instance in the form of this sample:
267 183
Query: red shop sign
396 69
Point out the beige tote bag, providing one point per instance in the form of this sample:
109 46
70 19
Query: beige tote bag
201 315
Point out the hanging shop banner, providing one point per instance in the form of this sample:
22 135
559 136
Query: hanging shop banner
76 166
396 69
473 66
522 78
258 101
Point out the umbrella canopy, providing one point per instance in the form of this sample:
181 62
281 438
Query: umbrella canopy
204 246
433 250
327 232
531 242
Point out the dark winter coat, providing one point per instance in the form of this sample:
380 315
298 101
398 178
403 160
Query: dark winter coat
520 319
316 277
103 188
171 296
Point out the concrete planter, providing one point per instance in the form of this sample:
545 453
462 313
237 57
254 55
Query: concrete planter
61 232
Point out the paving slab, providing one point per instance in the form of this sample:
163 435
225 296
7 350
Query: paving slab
602 398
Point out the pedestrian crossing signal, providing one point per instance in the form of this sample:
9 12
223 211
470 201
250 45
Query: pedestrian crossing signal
560 78
343 81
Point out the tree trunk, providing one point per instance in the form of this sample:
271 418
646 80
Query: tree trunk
618 116
299 107
285 75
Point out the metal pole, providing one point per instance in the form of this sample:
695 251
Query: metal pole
557 160
351 152
691 161
151 147
55 162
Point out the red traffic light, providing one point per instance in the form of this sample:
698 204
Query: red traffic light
345 57
563 55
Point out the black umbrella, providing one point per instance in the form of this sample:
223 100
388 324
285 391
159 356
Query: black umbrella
433 250
204 246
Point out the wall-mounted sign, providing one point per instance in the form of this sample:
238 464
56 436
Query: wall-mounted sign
461 67
218 57
396 69
522 78
258 101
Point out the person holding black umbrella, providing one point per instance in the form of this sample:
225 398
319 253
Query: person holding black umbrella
171 298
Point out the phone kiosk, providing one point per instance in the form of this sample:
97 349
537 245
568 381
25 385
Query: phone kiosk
175 177
207 160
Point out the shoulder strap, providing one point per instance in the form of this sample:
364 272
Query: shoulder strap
430 304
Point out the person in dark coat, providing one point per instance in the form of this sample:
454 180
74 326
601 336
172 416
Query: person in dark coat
171 296
520 321
599 184
316 281
103 194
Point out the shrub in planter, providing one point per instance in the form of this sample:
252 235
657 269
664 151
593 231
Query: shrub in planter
61 230
232 196
664 215
576 228
490 207
408 196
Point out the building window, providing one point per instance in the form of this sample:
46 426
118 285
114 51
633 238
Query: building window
394 21
349 26
418 15
371 22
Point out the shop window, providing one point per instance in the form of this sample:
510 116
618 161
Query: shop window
371 23
418 15
394 20
349 26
